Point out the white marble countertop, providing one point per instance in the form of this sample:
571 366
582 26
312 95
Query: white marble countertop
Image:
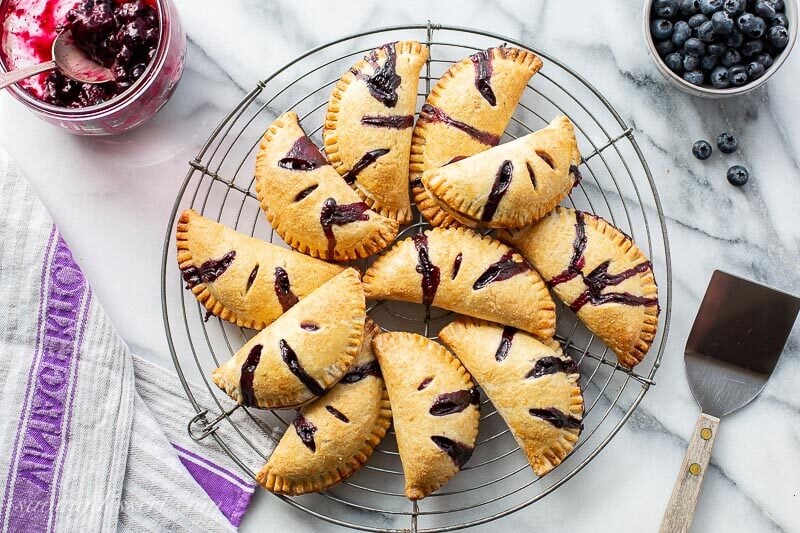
112 197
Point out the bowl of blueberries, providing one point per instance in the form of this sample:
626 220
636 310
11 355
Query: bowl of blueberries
719 48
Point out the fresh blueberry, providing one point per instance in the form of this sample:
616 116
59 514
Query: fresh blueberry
765 9
691 62
716 49
727 143
710 6
708 62
674 62
752 48
731 57
722 23
752 26
706 32
664 47
779 5
689 7
780 20
665 8
695 77
720 78
738 75
694 46
755 70
738 175
778 36
661 29
765 59
735 39
695 21
701 150
680 32
734 7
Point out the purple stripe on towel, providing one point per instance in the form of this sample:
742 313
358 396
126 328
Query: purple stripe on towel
231 497
44 422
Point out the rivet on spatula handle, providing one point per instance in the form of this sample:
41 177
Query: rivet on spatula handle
680 509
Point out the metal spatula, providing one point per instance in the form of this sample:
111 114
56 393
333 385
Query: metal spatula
735 342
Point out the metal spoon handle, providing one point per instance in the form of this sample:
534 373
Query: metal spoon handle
9 78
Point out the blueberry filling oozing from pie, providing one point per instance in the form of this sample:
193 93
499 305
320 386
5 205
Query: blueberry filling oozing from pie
576 175
449 403
305 430
384 81
303 156
505 343
337 413
394 122
501 184
434 114
209 271
251 279
365 161
305 192
290 358
246 378
424 383
283 289
458 452
532 174
546 158
456 266
339 215
557 418
431 275
361 372
502 270
578 261
552 365
483 74
309 326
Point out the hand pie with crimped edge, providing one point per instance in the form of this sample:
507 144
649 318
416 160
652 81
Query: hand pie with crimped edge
303 353
511 185
240 278
332 437
309 204
435 407
368 125
466 113
459 270
598 272
532 384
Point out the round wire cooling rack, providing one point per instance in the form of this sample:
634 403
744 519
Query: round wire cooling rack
497 480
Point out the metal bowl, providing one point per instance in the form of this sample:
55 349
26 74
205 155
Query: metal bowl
710 92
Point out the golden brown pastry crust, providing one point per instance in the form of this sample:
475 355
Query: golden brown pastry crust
550 246
247 293
529 375
352 132
435 143
518 298
341 446
511 185
294 200
303 353
407 361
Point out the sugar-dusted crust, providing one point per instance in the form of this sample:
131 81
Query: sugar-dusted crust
407 360
534 173
341 448
324 354
234 296
514 391
383 184
628 330
521 300
435 143
296 217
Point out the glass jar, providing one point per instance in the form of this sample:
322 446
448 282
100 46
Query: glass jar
133 107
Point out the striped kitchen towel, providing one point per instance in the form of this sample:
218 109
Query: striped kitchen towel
93 438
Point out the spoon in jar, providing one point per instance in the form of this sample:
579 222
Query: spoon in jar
69 59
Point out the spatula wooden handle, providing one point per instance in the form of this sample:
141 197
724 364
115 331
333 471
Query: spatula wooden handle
680 509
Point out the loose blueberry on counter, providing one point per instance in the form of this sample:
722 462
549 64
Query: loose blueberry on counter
694 46
738 175
738 76
710 6
734 7
695 21
689 7
701 150
731 57
778 36
727 143
674 62
708 62
665 8
695 77
755 70
720 78
661 29
680 32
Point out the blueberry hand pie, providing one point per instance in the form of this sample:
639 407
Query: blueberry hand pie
511 185
308 203
332 437
459 270
303 353
532 384
368 125
466 113
598 272
240 278
435 407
